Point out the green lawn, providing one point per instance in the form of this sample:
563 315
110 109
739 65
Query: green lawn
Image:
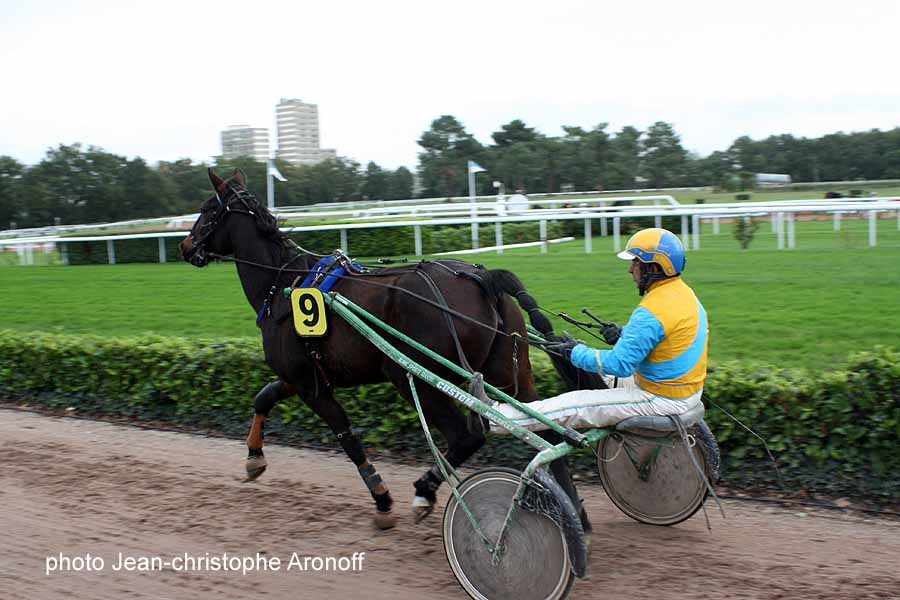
810 306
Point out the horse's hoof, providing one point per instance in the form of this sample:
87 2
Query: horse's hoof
385 520
422 507
256 466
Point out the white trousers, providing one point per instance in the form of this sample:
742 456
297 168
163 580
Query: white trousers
584 409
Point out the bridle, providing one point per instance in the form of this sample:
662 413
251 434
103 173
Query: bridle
198 254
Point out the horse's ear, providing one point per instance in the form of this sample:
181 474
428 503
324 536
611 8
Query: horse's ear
239 177
218 182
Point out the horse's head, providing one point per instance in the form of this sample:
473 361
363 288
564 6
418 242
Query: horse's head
214 232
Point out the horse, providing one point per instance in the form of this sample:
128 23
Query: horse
463 312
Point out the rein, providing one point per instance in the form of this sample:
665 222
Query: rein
358 278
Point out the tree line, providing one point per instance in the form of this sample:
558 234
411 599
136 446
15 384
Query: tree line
596 159
76 184
73 184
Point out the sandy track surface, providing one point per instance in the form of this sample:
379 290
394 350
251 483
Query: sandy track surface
76 487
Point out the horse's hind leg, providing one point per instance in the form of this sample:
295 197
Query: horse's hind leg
330 411
265 400
461 444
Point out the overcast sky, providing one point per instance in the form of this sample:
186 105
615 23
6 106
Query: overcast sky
161 79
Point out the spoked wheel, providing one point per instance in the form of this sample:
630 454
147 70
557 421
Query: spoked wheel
535 562
651 477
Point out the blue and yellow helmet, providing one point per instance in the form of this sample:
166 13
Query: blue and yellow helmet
656 245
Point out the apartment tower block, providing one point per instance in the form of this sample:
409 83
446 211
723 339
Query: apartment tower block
297 130
243 140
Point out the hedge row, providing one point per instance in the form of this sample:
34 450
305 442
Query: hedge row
394 241
139 250
836 429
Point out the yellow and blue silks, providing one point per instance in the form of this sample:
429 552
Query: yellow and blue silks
663 344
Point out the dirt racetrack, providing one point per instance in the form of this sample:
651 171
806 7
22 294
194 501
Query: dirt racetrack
75 487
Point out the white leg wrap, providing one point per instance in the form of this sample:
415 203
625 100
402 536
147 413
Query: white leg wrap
420 502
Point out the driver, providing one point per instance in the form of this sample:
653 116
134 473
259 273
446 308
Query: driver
657 364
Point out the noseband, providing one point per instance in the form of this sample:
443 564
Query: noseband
198 255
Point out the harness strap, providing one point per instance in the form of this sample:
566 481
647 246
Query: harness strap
464 363
315 356
688 445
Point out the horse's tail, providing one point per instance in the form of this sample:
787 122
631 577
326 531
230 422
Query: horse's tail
501 281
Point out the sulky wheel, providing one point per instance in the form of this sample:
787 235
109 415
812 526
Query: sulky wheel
651 477
535 564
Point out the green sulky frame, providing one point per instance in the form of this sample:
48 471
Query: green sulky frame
360 319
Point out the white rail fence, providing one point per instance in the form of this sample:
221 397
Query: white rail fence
782 216
437 207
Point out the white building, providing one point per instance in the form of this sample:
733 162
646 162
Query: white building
243 140
771 179
297 129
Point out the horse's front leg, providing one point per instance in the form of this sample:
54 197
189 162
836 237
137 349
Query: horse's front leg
330 411
265 400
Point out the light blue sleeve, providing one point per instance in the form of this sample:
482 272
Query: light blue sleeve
642 333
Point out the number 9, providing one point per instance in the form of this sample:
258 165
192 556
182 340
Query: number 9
310 309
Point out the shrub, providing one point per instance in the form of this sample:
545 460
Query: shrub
836 429
744 230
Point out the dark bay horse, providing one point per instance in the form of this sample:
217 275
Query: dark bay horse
233 223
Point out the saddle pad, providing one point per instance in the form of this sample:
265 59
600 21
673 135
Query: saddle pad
332 274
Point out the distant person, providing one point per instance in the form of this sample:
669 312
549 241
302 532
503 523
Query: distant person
657 364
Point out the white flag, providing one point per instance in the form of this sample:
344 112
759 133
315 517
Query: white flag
474 167
273 171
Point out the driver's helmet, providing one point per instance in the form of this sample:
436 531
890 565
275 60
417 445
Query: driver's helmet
656 245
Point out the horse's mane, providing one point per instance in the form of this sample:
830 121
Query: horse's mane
266 222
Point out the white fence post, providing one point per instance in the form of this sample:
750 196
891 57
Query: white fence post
685 236
475 235
64 251
111 251
417 236
604 232
695 225
716 225
162 249
617 243
542 226
657 221
873 215
837 221
344 241
587 236
775 218
778 222
29 254
790 231
498 236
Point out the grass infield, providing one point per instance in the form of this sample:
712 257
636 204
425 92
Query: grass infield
807 307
